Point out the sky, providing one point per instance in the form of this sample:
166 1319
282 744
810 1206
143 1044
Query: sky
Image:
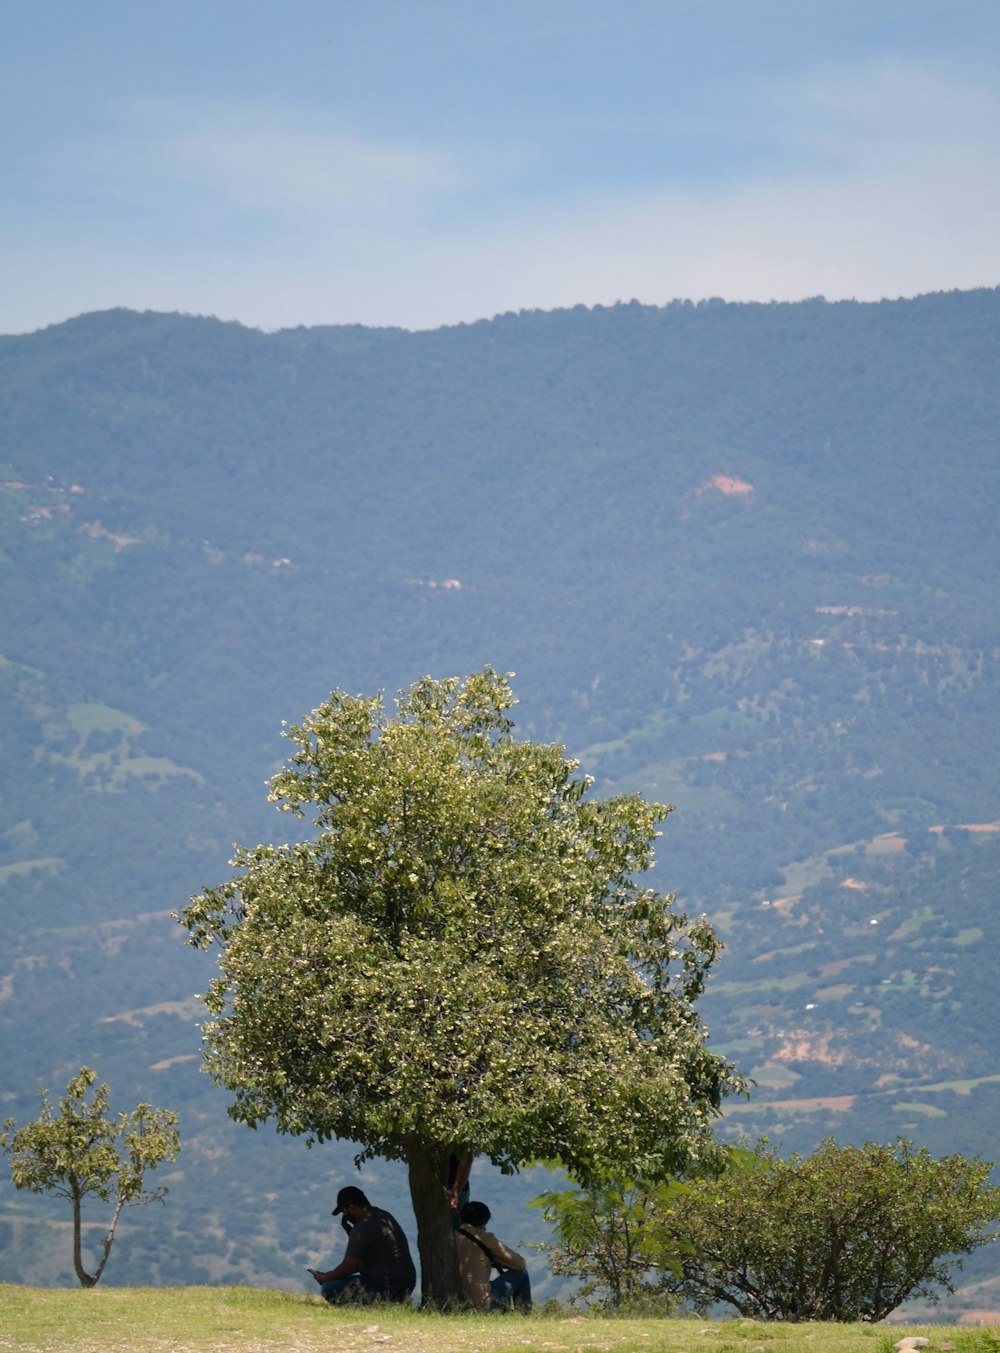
428 162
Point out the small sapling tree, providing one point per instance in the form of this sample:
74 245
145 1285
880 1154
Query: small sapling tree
80 1149
608 1236
462 956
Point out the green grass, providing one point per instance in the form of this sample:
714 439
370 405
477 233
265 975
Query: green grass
224 1319
915 1106
24 867
971 935
787 951
113 766
916 921
762 985
774 1077
85 719
960 1087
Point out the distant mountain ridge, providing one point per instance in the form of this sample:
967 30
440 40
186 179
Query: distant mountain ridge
741 557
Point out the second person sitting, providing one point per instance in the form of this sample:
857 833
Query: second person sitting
479 1252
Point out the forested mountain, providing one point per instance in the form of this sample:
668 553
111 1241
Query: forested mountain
742 558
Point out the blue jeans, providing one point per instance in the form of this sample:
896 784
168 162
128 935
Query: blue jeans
512 1288
357 1287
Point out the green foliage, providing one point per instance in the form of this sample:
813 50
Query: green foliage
847 1234
462 954
608 1237
80 1149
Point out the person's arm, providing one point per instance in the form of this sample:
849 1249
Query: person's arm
460 1180
344 1269
503 1256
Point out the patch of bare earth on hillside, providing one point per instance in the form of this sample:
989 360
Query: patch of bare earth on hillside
729 485
836 1102
191 1007
969 827
805 1047
978 1318
801 1047
840 965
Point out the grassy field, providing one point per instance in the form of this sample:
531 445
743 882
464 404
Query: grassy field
224 1320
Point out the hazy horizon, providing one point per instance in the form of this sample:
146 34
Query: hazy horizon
417 166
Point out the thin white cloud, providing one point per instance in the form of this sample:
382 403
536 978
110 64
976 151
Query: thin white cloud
893 189
289 170
888 109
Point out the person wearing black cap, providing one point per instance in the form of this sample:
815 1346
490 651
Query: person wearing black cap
377 1263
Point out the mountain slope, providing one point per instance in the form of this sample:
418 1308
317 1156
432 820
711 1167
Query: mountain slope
742 558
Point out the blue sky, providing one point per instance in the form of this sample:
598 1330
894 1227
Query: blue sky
423 162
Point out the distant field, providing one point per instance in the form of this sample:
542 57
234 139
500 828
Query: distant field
112 763
220 1320
23 867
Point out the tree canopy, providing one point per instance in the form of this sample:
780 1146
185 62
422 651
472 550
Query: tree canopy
82 1149
848 1233
462 956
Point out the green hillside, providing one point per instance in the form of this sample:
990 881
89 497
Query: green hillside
742 558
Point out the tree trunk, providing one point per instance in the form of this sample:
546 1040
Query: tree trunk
85 1278
440 1288
119 1204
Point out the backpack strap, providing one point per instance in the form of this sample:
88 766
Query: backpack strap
485 1248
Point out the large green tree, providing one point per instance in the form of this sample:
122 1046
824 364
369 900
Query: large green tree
461 956
81 1149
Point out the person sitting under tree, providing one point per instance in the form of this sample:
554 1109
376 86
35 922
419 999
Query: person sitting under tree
479 1252
376 1265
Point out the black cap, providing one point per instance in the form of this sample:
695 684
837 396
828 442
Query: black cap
350 1197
